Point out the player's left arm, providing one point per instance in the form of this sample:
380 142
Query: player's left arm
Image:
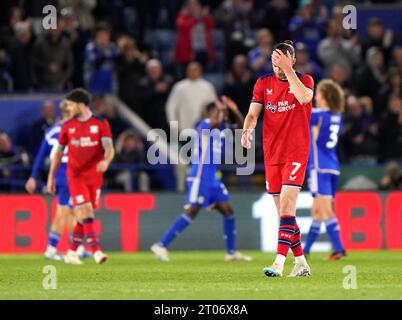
108 148
302 92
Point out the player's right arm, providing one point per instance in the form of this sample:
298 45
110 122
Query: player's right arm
250 122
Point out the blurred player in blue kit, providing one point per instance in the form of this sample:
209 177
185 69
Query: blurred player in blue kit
323 166
204 187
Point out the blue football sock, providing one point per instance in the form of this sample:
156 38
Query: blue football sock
333 234
177 227
53 239
229 233
312 235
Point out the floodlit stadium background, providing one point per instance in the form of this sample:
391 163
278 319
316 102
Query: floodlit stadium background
133 87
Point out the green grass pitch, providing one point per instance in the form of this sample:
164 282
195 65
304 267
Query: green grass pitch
201 275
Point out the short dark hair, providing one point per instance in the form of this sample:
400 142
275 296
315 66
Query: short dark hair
210 106
102 26
375 22
79 95
286 46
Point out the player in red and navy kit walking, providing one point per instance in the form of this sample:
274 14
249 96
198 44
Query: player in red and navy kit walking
90 149
285 98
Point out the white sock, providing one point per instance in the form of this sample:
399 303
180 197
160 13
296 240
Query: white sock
301 259
51 248
280 260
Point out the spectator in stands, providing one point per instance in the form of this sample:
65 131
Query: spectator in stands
258 58
377 37
6 81
188 97
34 10
78 38
21 58
393 87
336 50
99 63
130 69
339 74
360 132
239 83
397 57
372 75
392 179
7 31
185 105
106 110
194 42
130 150
305 64
276 18
39 127
307 27
235 18
153 93
391 131
83 11
53 60
338 16
11 155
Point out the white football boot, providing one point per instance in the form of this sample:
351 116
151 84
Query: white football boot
100 257
273 271
72 257
52 254
160 252
237 256
300 270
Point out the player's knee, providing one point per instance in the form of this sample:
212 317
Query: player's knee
287 207
227 213
191 212
327 214
316 216
84 211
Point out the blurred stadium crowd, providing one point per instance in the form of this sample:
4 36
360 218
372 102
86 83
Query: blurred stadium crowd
142 51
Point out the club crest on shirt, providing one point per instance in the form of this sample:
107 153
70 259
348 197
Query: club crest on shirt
270 106
93 129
